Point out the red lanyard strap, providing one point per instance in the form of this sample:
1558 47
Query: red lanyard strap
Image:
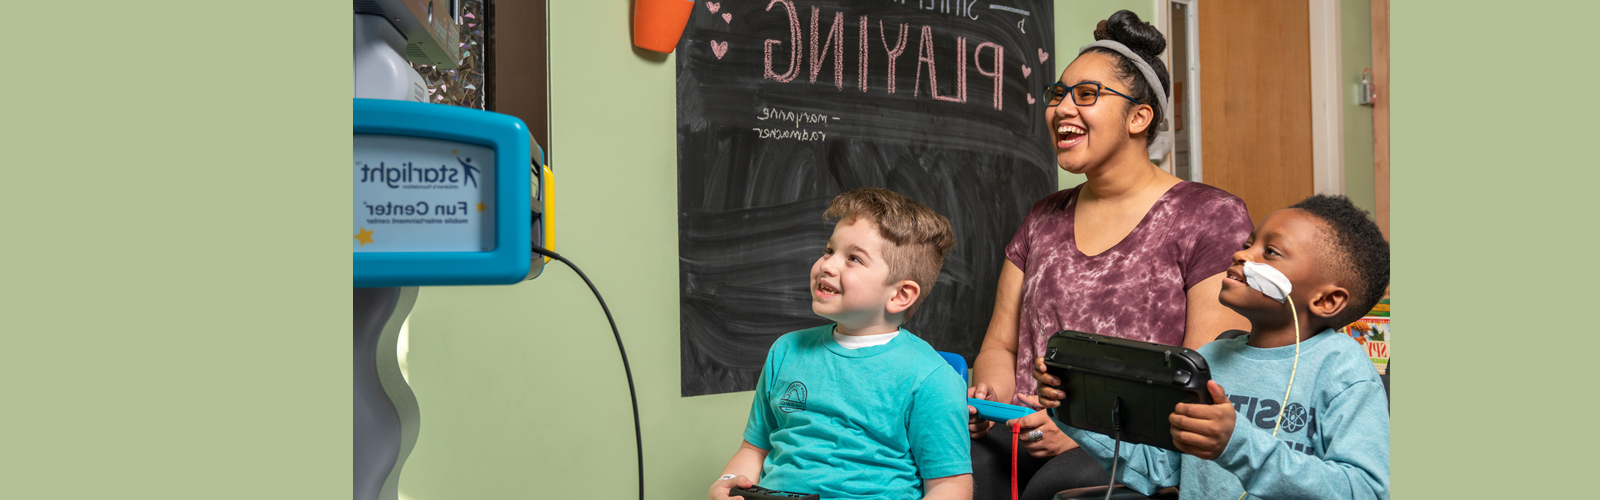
1015 429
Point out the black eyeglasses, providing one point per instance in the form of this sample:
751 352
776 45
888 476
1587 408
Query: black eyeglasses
1083 94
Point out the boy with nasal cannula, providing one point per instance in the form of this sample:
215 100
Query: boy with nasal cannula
1305 271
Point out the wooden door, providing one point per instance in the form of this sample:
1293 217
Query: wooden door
1255 103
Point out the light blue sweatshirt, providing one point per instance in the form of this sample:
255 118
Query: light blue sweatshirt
1333 443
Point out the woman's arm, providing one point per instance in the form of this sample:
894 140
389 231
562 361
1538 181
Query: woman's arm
996 364
1207 317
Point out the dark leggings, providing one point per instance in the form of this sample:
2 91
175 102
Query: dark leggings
1037 478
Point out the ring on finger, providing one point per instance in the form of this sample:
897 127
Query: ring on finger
1035 435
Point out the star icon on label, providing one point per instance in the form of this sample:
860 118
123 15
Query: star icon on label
365 236
480 206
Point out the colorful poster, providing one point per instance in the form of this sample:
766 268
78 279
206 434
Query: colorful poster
1372 332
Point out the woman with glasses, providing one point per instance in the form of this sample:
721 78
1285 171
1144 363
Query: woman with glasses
1132 252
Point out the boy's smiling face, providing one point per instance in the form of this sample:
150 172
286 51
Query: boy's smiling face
1287 241
849 284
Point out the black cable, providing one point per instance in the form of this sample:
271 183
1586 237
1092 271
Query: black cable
1116 437
1116 453
638 442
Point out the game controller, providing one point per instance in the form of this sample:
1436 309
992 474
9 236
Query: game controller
999 412
1124 388
758 493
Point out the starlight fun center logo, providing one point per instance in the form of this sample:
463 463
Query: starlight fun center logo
411 176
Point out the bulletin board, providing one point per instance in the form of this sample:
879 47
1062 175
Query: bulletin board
784 104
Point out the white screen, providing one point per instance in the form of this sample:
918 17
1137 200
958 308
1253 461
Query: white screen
422 195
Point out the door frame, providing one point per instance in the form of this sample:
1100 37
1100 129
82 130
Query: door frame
1327 99
1192 92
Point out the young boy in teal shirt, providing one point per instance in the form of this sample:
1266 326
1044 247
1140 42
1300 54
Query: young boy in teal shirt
1305 271
862 408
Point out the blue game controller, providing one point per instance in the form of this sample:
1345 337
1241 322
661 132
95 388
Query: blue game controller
999 412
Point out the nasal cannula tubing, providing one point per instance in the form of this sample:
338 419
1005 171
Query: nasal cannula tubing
1292 369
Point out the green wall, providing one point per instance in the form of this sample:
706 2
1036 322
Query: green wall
1355 52
520 387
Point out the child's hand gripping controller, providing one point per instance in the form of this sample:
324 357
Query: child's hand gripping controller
999 412
758 493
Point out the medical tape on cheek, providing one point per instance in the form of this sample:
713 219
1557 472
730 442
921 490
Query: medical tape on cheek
1267 280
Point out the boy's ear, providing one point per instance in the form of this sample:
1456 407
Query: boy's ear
1329 301
905 294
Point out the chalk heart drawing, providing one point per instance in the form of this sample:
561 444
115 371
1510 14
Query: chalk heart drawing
713 6
1043 55
1030 98
719 48
1026 71
726 17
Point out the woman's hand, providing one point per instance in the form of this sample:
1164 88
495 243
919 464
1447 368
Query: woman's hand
994 372
1039 435
976 425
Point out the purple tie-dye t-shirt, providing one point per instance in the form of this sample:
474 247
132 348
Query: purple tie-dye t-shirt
1136 289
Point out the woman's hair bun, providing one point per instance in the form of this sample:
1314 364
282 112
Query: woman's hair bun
1147 43
1125 27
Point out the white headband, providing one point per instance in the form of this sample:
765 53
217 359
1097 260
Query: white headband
1149 74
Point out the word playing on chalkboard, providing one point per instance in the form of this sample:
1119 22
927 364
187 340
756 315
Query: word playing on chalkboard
835 38
784 104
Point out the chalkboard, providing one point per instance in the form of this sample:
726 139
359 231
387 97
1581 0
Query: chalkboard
784 104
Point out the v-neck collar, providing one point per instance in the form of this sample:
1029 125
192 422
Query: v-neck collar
1072 220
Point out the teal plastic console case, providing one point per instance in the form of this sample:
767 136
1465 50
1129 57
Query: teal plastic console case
442 195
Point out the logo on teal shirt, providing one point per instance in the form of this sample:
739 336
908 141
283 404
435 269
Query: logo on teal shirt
794 398
1295 418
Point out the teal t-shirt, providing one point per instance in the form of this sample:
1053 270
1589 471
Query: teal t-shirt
1333 442
872 422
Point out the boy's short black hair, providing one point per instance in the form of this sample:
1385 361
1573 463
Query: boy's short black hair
1360 255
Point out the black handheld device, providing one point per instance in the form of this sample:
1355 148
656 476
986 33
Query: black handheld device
758 493
1096 371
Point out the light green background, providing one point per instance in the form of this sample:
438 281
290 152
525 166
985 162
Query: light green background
1494 244
174 275
173 315
1355 52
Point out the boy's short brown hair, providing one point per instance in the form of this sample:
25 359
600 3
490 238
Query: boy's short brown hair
920 238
